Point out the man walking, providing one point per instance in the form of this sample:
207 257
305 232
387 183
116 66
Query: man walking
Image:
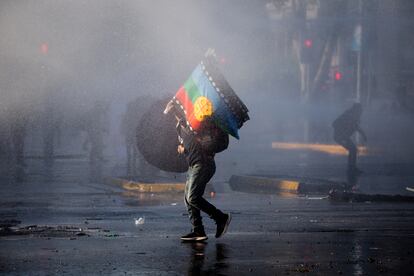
344 127
200 158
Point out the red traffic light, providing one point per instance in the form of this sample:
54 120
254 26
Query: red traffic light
308 43
44 48
338 76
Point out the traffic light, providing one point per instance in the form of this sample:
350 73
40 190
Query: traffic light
338 79
308 43
306 51
44 48
337 76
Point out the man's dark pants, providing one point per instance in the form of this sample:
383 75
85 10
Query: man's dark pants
347 143
197 178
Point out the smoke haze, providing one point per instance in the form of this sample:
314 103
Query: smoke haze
63 57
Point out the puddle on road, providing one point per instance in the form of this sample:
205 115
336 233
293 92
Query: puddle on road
134 198
23 204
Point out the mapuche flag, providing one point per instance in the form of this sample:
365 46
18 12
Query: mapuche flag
207 94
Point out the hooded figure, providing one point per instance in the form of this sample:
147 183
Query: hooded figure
344 127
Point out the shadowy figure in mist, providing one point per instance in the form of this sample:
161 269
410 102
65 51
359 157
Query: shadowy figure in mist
5 137
18 135
129 129
344 127
13 132
6 148
96 125
48 131
128 126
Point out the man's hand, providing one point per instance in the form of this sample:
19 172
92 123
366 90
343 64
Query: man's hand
180 149
168 108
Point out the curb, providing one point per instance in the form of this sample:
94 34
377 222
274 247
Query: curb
244 183
262 184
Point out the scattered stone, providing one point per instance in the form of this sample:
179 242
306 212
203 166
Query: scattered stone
339 195
112 235
371 260
9 223
44 231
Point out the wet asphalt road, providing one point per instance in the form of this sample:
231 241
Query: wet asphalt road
78 227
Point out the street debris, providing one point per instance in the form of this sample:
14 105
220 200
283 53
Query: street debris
44 231
316 197
305 268
9 223
339 195
139 221
111 235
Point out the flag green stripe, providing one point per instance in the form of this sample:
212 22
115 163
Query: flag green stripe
192 90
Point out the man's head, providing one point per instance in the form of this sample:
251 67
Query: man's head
356 110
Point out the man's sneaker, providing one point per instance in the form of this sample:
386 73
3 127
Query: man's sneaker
194 236
222 225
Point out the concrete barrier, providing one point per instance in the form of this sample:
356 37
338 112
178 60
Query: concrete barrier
154 187
269 184
245 183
